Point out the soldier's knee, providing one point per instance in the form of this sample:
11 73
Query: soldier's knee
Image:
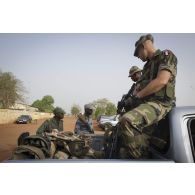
124 120
125 124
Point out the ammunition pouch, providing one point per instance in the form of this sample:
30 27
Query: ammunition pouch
167 93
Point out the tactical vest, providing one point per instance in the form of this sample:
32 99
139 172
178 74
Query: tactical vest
166 95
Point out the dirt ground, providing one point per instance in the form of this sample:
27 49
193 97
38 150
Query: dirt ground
9 133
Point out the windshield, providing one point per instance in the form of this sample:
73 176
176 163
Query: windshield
24 116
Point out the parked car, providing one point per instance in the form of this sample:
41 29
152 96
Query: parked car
24 119
105 121
100 117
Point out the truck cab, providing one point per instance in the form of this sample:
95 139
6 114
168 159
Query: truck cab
177 131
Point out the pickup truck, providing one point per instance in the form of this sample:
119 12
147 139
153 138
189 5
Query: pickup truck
176 135
172 141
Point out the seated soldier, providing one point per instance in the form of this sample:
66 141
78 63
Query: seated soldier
54 124
123 105
84 123
152 102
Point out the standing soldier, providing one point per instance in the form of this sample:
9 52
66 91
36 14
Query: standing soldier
134 74
53 124
153 101
84 123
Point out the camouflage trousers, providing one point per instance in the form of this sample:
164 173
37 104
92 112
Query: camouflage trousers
133 140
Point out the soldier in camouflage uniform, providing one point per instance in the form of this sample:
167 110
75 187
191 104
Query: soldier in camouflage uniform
135 74
155 98
53 124
84 124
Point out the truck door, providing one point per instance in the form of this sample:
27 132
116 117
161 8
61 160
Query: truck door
160 139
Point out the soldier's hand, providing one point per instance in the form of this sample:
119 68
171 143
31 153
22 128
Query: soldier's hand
54 132
132 101
120 105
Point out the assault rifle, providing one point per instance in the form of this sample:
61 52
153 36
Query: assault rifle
114 141
121 108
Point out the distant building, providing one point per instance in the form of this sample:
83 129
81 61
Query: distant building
20 106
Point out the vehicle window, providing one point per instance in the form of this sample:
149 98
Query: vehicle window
191 129
160 139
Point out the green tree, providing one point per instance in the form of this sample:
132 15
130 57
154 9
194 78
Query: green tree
110 109
45 104
11 90
36 104
98 111
75 109
103 107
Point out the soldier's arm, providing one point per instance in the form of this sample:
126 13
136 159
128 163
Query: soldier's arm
155 85
167 70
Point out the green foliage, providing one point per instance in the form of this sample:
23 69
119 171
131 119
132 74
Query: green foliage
98 111
36 104
75 109
110 109
103 107
44 105
11 90
48 99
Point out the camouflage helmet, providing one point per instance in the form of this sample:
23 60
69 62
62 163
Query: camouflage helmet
133 70
141 40
88 106
58 110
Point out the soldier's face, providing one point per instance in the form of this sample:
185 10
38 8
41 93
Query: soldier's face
88 111
60 115
135 77
142 54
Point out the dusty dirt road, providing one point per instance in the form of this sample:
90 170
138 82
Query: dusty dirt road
9 134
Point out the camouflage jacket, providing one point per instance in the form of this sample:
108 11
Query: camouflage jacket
162 60
50 124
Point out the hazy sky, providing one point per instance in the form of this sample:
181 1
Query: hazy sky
80 68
